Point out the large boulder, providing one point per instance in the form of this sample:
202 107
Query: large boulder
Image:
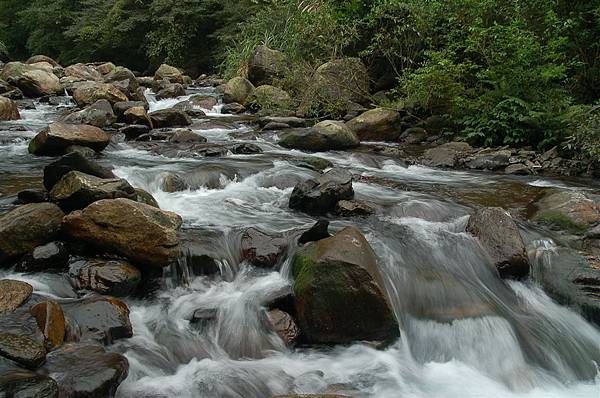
86 370
143 233
26 227
170 74
77 190
320 196
268 98
122 77
73 161
90 92
499 236
446 155
112 277
83 72
574 211
31 80
57 137
266 66
324 136
8 109
339 294
121 107
99 114
169 118
172 90
41 58
237 90
379 124
138 116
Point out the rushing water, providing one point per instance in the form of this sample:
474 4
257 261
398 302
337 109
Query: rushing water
465 333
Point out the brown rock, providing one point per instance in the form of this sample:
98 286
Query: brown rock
261 249
8 109
22 350
284 325
13 294
137 115
51 320
57 137
112 277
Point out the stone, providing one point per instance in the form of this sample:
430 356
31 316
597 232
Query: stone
446 155
574 211
284 325
246 149
24 351
237 90
32 81
266 66
170 118
276 126
51 256
90 92
121 107
189 109
137 115
291 121
173 90
169 73
262 249
83 72
312 162
123 78
233 109
490 161
41 58
353 208
518 169
99 114
324 136
8 109
144 234
13 294
86 370
32 196
339 293
110 277
317 232
414 135
26 227
379 124
499 236
54 139
172 182
203 101
21 383
106 68
77 190
268 98
135 131
145 197
51 321
186 135
55 171
320 196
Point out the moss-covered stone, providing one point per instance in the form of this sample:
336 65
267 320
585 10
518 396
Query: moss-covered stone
268 98
560 220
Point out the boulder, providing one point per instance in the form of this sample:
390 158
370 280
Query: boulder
8 109
186 135
379 124
170 118
266 66
121 107
284 325
57 137
262 249
268 98
574 211
42 58
13 294
291 121
99 114
189 109
32 196
86 371
339 292
317 232
77 190
23 350
495 160
170 74
51 256
123 78
138 116
106 68
83 72
135 131
203 101
172 90
140 232
99 319
233 109
320 196
32 81
90 92
446 155
73 162
414 135
518 169
499 236
112 277
26 227
51 321
146 197
19 383
237 90
324 136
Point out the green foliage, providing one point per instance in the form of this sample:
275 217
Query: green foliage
584 129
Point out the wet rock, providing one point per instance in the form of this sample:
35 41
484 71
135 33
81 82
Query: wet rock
106 68
377 124
268 98
203 101
170 74
32 196
24 351
54 139
145 197
99 319
24 384
189 109
261 249
55 171
26 227
99 114
518 169
142 233
186 135
32 81
446 155
353 208
171 182
137 116
171 91
51 321
13 294
123 78
121 107
490 161
135 131
317 232
83 72
414 135
8 109
53 255
288 120
574 211
237 90
204 315
41 58
284 325
321 196
312 163
170 118
86 371
90 92
82 150
111 277
246 149
500 238
266 66
339 292
324 136
233 109
77 190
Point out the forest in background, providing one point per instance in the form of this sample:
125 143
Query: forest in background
502 72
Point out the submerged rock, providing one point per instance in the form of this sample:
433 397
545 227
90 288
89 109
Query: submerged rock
57 137
353 208
500 237
55 171
112 277
140 232
324 136
339 293
321 196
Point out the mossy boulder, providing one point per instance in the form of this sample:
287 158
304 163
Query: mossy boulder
268 98
266 65
339 293
573 211
170 74
237 90
324 136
